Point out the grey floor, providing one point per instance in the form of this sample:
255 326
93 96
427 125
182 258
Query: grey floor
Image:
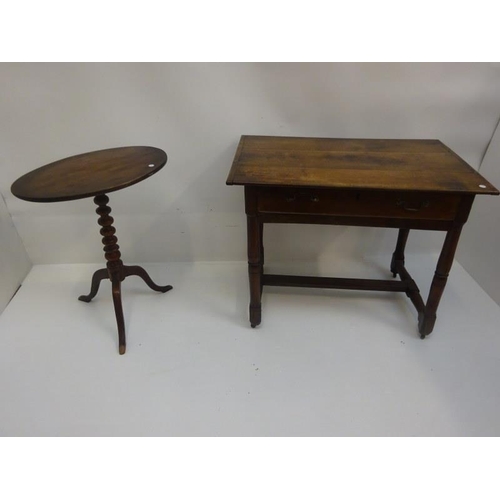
323 362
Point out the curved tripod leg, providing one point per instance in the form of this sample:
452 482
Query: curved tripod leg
117 302
139 271
98 276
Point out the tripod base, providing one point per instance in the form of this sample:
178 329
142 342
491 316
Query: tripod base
102 274
115 271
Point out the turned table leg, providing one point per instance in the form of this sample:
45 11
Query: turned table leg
427 318
254 230
115 270
398 257
261 235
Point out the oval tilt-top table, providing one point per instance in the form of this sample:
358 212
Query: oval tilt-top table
93 175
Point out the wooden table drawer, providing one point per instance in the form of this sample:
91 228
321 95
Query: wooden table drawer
404 205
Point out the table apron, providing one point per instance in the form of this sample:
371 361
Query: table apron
354 203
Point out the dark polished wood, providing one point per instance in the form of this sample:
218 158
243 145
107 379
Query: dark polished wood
102 274
254 270
404 184
398 257
336 283
115 270
400 205
366 164
89 174
95 174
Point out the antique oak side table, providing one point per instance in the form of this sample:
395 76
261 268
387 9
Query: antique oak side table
404 184
93 175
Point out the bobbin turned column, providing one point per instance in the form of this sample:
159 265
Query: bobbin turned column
114 263
110 241
115 270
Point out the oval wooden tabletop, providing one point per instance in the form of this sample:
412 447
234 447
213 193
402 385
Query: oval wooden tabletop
89 174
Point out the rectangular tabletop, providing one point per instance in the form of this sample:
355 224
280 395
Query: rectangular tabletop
364 164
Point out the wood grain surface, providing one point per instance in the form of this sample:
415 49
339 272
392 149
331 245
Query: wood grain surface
371 164
89 174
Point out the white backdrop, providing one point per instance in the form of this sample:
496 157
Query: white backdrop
479 246
14 262
196 112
